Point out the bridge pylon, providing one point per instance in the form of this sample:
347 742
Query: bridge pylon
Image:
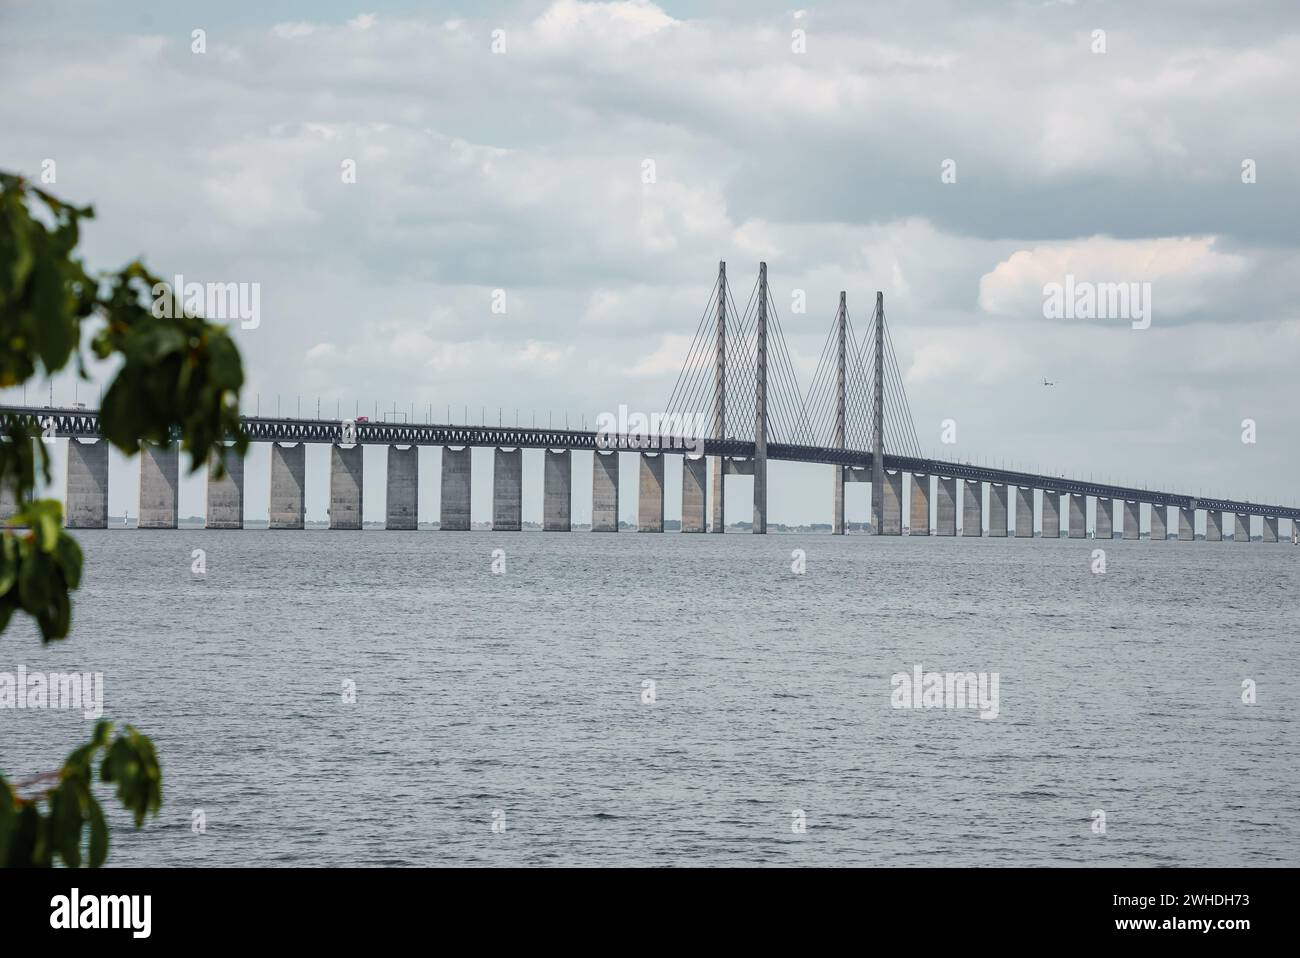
760 408
720 401
878 423
837 438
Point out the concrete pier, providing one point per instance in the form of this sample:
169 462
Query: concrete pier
457 471
402 489
1213 525
507 490
226 495
1024 512
1132 519
918 521
86 491
998 510
1159 523
892 523
1270 529
604 492
972 508
837 500
717 506
650 494
288 480
557 491
1241 530
1051 514
945 523
1104 524
160 484
346 484
694 510
1186 524
1078 516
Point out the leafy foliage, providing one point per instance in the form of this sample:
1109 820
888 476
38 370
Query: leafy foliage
178 380
38 570
181 376
53 823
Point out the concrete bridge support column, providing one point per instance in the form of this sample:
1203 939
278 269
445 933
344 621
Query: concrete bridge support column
457 473
1213 525
87 485
1104 524
918 521
508 490
1186 524
402 489
1241 531
892 523
1270 529
717 506
837 500
604 491
1159 523
288 480
693 483
1051 514
160 483
226 495
1024 512
972 509
346 483
650 497
1132 519
998 510
8 504
1078 516
557 491
946 507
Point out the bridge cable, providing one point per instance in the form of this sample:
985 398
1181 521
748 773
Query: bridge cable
695 343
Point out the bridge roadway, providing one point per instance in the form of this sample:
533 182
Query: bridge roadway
84 424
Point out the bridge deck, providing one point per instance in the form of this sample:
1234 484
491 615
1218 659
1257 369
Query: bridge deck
84 424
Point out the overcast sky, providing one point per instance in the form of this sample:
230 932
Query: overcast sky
523 171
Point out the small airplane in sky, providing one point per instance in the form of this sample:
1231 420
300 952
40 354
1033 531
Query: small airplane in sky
1046 383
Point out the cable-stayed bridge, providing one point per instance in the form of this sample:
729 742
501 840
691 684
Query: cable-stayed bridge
737 403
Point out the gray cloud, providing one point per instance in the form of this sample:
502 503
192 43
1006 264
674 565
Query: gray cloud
523 172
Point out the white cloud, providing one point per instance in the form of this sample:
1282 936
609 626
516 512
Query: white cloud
293 30
1187 274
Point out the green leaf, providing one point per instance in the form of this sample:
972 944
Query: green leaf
65 825
8 820
56 331
8 561
98 835
67 555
